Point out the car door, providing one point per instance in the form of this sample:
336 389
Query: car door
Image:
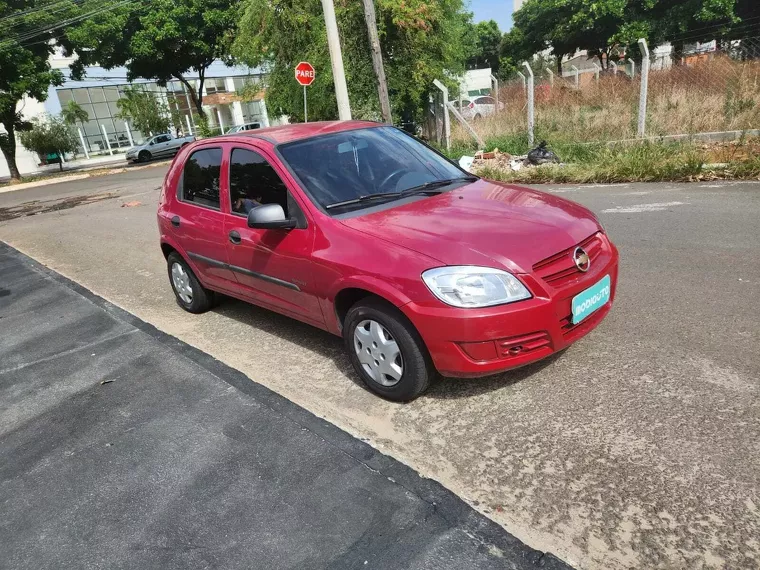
161 145
273 267
198 220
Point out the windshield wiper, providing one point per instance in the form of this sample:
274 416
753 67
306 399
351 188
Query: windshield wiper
429 186
426 188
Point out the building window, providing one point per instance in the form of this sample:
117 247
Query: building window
215 85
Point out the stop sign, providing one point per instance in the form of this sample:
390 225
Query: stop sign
305 73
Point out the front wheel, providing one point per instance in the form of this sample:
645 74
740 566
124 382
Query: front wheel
386 351
144 156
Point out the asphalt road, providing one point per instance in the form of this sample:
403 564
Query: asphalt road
637 447
121 447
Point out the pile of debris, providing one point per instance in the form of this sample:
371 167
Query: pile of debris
505 161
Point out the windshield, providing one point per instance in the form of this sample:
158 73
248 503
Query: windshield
354 165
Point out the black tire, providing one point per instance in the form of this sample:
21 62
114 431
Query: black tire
144 156
418 370
201 299
477 117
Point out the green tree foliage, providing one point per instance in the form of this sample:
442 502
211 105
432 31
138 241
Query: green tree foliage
26 28
565 26
144 111
159 40
603 27
50 135
74 113
421 41
486 52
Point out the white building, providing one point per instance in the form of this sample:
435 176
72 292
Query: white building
100 89
476 82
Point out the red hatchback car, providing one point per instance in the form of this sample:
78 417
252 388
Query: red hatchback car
364 231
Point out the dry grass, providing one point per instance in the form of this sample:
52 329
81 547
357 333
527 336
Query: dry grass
713 95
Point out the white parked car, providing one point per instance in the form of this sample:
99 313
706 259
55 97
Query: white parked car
245 127
478 107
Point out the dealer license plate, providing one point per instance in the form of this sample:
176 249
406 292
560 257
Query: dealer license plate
592 299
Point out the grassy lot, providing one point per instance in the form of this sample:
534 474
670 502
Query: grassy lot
715 95
627 162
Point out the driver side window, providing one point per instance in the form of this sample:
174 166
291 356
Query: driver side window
253 182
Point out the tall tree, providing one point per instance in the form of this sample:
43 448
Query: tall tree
487 43
421 41
157 39
27 29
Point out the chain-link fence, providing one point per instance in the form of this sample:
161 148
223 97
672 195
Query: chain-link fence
696 89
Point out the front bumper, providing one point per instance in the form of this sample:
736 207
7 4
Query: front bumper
481 342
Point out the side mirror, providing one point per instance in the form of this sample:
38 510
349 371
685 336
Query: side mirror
270 217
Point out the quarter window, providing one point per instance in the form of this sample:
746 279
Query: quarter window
253 182
200 178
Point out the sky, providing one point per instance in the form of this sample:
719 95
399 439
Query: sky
499 10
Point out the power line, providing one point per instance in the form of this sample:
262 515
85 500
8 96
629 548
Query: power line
46 29
32 10
21 39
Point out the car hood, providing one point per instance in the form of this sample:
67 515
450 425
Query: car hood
483 223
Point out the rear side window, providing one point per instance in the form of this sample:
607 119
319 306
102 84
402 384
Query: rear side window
200 178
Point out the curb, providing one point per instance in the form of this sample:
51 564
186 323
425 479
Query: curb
94 172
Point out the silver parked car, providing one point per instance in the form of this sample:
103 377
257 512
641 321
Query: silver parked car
159 146
245 127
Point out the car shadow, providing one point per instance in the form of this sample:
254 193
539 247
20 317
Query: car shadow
4 292
331 347
456 388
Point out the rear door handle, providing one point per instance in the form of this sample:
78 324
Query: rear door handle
234 237
175 221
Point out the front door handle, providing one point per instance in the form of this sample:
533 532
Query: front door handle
234 237
175 221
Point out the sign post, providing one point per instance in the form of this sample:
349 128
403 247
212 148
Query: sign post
305 76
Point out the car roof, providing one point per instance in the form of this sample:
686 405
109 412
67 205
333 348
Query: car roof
299 131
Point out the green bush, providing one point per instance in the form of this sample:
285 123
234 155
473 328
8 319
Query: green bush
50 135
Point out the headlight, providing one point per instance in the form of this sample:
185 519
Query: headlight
472 287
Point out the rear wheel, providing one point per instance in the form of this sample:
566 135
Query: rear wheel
190 294
144 156
386 351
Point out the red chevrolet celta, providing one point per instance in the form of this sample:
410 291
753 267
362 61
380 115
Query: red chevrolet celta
364 231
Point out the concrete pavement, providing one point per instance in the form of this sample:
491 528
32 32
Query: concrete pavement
121 447
638 447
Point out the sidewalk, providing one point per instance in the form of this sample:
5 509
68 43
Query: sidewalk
123 447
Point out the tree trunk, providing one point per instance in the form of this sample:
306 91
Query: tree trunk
195 96
377 60
559 64
8 146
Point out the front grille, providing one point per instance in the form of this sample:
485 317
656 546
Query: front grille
523 344
571 331
560 269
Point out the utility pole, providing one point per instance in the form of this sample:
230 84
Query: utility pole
336 58
377 60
